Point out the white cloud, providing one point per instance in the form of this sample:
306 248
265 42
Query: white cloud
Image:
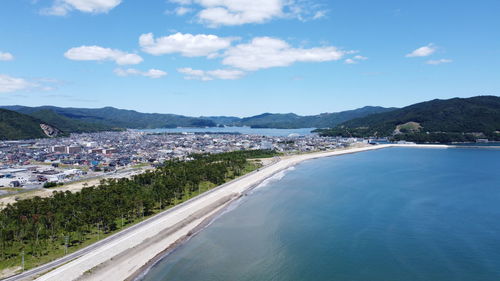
180 11
152 73
237 12
182 2
123 59
193 74
359 57
350 61
266 52
422 51
63 7
11 84
439 61
319 15
186 44
355 59
6 56
96 53
224 74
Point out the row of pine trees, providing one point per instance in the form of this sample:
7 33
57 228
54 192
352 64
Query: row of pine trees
40 226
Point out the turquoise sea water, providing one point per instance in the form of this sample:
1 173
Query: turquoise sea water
392 214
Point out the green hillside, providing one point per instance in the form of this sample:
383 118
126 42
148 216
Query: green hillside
327 120
294 121
457 119
270 120
15 126
108 118
68 125
111 117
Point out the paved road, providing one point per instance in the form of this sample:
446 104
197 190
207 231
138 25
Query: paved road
53 264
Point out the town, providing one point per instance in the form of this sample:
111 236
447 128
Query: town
39 163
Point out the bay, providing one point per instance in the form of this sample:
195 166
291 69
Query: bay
392 214
242 130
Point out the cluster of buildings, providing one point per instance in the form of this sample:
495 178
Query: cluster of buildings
32 176
33 162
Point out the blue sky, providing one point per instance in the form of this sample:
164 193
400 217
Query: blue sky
245 57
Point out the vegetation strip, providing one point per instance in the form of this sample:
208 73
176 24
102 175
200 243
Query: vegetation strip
46 228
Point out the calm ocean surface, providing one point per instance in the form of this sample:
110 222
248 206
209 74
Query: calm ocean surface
393 214
241 130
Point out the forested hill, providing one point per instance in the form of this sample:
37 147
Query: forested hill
293 121
110 117
457 119
15 126
77 120
68 125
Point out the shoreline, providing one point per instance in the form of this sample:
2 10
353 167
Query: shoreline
143 271
131 255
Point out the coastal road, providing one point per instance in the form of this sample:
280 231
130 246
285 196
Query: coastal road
33 273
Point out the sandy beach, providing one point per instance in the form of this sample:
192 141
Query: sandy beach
127 256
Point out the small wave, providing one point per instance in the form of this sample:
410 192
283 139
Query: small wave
276 177
232 206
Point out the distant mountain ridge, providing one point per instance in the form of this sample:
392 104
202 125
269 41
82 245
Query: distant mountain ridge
456 119
222 120
112 118
78 120
294 121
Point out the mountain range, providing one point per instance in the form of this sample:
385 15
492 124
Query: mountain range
294 121
113 118
79 120
457 119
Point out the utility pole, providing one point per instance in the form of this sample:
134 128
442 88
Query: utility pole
66 238
22 260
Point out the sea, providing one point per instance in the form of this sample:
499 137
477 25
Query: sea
241 130
394 214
